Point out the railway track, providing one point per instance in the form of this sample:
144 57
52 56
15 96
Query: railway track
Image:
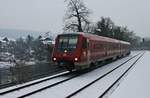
49 86
33 83
15 75
57 83
103 94
94 81
70 75
26 95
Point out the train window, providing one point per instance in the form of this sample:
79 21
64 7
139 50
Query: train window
72 42
101 46
67 42
84 46
63 40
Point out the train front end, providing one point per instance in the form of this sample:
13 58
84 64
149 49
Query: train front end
67 50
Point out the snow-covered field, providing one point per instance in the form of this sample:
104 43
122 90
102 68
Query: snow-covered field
62 90
137 82
134 85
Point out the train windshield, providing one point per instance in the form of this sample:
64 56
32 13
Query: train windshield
67 42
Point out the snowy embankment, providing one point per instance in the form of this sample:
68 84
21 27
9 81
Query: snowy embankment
11 64
64 89
137 82
6 64
95 90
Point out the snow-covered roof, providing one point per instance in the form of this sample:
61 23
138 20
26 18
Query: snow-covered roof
10 39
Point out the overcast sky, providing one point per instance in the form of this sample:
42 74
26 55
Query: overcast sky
47 15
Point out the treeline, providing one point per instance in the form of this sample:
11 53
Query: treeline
28 49
77 20
106 27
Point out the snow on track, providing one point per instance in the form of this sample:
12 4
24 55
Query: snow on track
17 93
66 88
137 83
33 88
99 87
31 82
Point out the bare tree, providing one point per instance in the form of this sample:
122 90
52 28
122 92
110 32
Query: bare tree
76 16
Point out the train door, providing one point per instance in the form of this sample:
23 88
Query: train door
86 51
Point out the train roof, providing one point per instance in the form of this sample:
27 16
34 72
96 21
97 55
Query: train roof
97 37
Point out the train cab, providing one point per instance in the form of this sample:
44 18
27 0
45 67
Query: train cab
70 50
81 50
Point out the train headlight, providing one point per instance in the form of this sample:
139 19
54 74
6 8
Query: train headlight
54 59
76 59
65 51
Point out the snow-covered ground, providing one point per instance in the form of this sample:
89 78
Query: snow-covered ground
31 82
137 82
93 91
64 89
6 64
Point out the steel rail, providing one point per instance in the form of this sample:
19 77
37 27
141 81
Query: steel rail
52 85
89 84
31 84
102 95
49 86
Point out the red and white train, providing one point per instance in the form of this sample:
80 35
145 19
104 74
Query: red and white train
81 50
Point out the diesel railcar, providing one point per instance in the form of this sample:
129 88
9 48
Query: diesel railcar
81 50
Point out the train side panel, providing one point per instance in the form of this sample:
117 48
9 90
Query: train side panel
89 50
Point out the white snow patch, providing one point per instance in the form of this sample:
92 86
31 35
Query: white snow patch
62 90
6 64
137 82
